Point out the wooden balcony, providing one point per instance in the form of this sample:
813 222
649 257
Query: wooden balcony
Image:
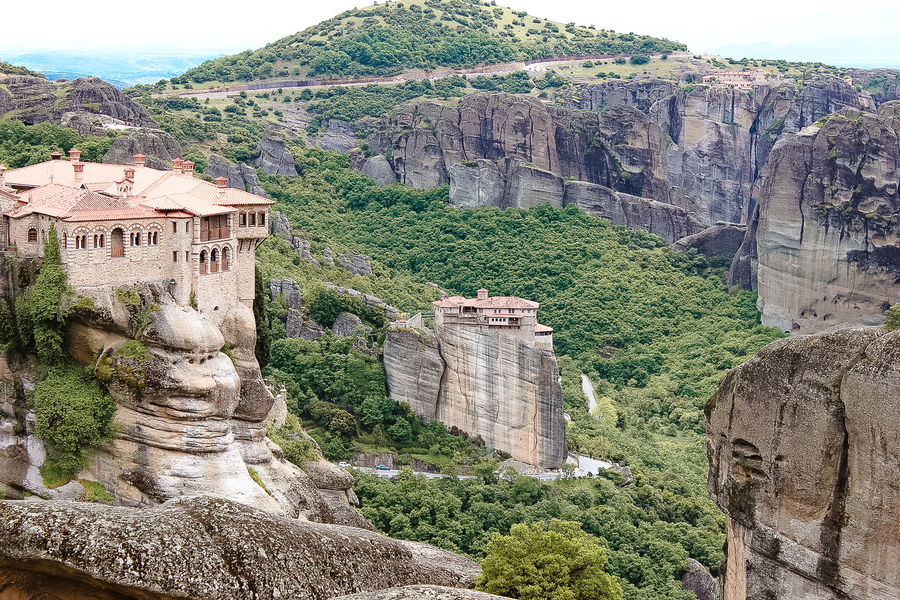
215 233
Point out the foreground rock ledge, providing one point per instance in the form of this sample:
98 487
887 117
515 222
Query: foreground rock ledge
201 547
803 450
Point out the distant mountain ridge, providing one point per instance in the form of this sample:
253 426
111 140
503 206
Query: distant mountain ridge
389 38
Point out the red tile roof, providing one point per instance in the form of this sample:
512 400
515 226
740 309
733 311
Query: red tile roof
542 328
508 302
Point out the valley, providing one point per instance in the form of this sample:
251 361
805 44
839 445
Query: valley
481 221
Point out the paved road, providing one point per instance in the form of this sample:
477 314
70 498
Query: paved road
588 389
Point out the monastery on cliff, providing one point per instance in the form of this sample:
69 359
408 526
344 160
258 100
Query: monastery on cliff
514 316
122 224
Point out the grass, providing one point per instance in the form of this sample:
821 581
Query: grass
53 475
134 350
95 492
257 480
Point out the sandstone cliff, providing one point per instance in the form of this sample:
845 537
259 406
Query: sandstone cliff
191 418
485 382
700 148
802 444
197 547
827 239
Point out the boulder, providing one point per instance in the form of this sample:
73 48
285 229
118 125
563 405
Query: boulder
699 581
379 170
279 224
345 324
274 157
327 254
356 263
288 288
200 547
722 239
801 441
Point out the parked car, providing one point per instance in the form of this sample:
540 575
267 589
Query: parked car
343 464
382 467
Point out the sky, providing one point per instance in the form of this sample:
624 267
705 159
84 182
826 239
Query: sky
204 26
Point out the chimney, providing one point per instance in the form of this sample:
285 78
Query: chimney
177 164
79 172
55 155
74 155
482 294
129 173
139 160
189 168
220 187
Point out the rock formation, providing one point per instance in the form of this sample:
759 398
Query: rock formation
191 419
200 547
802 445
274 157
722 239
38 100
484 381
239 176
422 592
827 239
699 148
158 146
356 263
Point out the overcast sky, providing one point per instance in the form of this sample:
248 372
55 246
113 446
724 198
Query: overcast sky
211 25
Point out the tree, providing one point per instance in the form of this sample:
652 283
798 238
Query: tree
552 561
892 318
263 333
325 306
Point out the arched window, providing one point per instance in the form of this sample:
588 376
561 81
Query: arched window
261 219
96 241
214 261
136 238
117 242
226 258
203 263
102 241
153 238
32 235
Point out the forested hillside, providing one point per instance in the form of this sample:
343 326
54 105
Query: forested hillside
389 38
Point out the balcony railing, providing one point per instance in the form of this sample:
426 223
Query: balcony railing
117 252
216 233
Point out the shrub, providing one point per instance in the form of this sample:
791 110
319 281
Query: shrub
892 318
73 414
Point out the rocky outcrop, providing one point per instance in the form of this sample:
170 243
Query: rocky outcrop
288 288
700 148
274 157
379 170
698 581
191 419
239 176
38 100
665 220
355 263
345 324
158 146
722 239
802 445
196 547
390 312
827 236
485 382
422 592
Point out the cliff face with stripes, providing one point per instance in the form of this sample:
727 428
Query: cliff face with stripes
803 451
484 381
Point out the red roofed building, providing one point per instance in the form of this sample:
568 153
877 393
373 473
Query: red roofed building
122 224
510 314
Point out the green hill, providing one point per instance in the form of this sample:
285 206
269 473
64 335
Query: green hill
394 37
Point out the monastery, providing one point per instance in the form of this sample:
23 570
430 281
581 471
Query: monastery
512 315
122 224
742 80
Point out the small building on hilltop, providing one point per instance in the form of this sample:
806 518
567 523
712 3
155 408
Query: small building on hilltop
742 80
123 224
514 316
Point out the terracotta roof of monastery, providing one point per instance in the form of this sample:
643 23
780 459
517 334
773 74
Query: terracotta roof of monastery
507 302
542 328
76 205
147 182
